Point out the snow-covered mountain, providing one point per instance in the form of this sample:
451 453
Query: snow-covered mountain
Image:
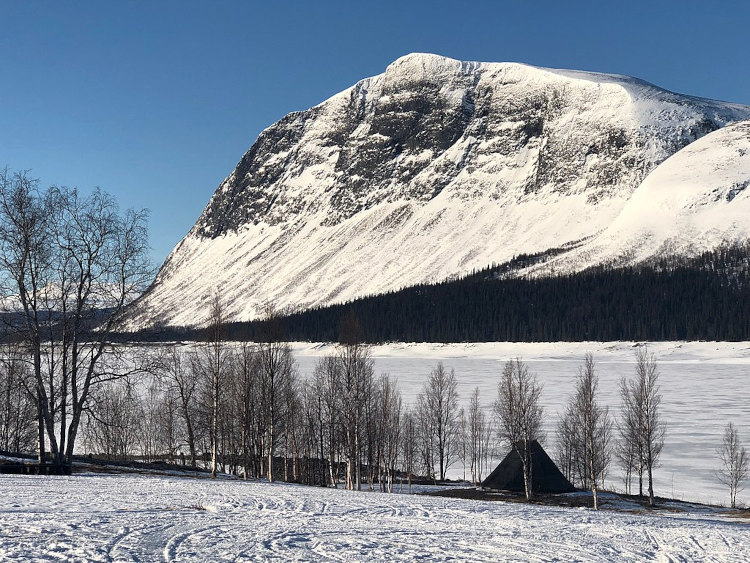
696 200
437 167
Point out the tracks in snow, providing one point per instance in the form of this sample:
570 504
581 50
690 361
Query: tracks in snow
130 518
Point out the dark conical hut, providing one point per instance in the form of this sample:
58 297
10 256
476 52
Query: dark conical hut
545 476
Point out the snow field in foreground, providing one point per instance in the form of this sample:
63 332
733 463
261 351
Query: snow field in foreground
149 518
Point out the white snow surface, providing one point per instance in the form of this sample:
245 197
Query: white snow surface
156 518
316 243
694 201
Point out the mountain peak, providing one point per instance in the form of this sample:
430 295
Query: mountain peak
432 169
422 59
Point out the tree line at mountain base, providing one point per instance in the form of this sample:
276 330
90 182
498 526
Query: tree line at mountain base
702 298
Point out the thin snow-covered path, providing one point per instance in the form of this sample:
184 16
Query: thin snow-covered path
150 518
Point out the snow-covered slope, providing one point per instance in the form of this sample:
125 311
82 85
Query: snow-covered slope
427 171
696 200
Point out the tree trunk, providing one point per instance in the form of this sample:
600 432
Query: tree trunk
526 469
191 444
270 449
320 432
63 405
73 432
594 493
40 430
357 455
640 480
650 485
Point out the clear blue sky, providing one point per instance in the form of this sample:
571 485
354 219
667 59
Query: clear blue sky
157 101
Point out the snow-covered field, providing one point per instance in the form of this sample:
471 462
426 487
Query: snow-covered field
132 517
137 518
704 386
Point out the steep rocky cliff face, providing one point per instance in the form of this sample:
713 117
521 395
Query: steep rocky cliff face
427 171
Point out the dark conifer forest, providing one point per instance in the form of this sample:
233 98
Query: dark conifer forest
703 298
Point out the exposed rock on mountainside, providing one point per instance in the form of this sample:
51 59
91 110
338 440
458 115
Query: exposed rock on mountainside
429 170
694 201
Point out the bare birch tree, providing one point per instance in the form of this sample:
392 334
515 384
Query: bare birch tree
216 360
73 263
408 445
101 266
18 413
356 378
591 428
567 446
357 372
440 408
519 414
734 463
327 377
462 437
388 414
248 383
425 437
181 379
276 369
641 423
478 436
26 263
626 452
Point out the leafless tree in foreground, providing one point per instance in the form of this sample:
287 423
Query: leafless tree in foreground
18 414
641 423
462 437
626 452
478 429
25 266
734 463
181 381
519 414
356 384
409 446
247 392
276 373
73 263
440 412
327 381
215 363
588 429
568 446
385 439
356 380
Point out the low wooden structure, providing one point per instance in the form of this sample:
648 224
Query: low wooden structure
35 469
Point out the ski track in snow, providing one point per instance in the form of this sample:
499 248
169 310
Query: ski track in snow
137 518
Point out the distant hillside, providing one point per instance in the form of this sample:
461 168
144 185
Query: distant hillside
704 298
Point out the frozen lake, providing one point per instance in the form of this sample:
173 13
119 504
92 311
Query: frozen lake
704 386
